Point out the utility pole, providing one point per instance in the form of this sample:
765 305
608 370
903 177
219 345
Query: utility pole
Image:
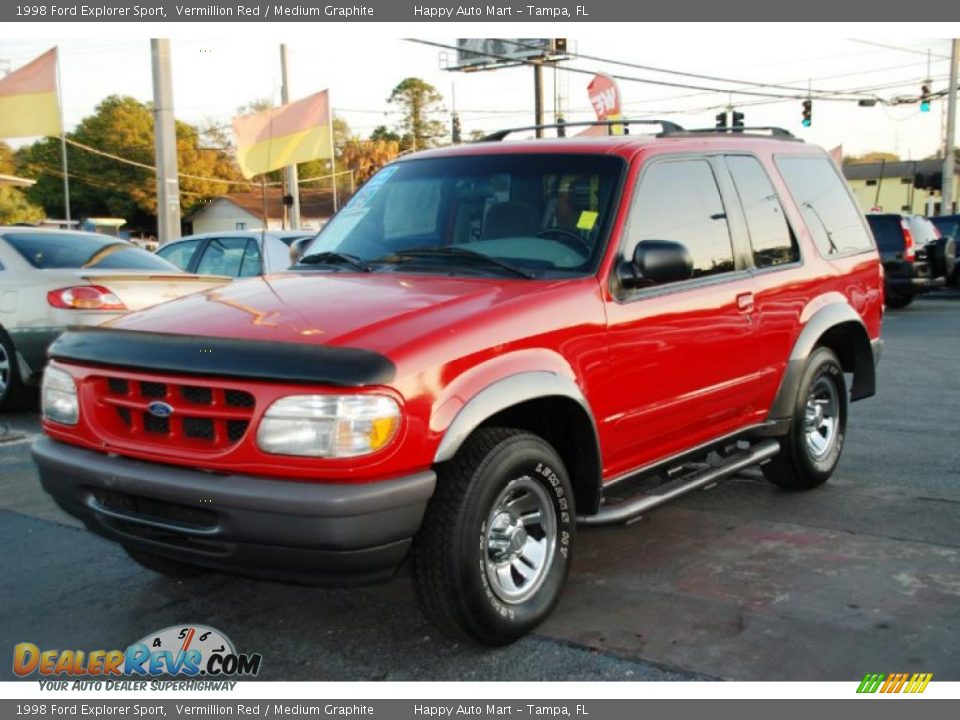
946 194
293 183
165 138
538 97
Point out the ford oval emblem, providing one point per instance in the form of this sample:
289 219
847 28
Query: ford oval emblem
160 409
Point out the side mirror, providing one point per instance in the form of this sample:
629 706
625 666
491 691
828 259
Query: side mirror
656 261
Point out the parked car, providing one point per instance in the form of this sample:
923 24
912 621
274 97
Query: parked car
50 279
949 227
907 245
243 253
487 345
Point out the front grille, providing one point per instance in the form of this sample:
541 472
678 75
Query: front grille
200 417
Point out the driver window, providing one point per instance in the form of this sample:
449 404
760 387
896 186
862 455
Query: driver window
680 201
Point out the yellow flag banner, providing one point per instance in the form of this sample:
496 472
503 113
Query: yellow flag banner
284 135
28 99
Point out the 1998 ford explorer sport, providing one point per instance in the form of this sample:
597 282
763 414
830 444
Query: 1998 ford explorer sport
489 344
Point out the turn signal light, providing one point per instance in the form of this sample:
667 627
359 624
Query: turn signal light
85 297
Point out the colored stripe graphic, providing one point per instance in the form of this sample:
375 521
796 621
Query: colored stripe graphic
893 683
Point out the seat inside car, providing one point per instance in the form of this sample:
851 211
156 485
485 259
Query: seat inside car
509 219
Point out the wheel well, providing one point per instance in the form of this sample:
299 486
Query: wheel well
851 345
564 424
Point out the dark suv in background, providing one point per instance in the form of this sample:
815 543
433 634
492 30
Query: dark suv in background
914 259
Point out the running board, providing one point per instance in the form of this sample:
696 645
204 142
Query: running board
630 509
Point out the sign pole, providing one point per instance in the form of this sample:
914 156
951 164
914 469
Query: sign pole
63 147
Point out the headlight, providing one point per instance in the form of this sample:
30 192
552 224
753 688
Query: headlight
328 425
59 397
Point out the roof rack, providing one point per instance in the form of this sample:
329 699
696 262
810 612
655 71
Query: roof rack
667 127
775 132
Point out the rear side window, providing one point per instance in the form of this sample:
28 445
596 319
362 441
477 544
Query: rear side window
770 236
949 226
179 253
680 201
234 257
62 250
828 212
887 231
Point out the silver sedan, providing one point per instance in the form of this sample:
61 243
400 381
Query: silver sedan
50 279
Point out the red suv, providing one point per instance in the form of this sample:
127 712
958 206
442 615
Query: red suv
489 344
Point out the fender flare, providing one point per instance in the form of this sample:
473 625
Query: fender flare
833 315
505 393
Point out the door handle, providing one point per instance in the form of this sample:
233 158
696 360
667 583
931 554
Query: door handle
745 302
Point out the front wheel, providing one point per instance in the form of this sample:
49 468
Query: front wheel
492 555
811 450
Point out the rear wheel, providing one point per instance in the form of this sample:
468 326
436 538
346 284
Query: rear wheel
162 565
811 450
492 555
13 393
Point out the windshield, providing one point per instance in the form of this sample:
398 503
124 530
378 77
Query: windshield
63 250
525 215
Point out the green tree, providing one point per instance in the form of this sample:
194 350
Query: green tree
100 185
419 101
14 206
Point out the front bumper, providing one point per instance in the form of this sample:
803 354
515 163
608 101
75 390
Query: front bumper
323 534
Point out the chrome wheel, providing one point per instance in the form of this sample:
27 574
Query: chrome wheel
4 370
821 417
520 540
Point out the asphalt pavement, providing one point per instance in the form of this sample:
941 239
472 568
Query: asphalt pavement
744 581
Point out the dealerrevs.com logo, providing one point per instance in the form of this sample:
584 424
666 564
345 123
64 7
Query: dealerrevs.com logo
181 651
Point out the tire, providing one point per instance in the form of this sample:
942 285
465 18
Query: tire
13 393
943 256
896 300
809 453
473 545
164 566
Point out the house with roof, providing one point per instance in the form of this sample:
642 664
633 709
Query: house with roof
245 211
904 186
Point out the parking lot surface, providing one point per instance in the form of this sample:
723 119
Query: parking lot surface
744 581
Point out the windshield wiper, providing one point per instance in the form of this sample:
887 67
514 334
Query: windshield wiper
448 251
335 258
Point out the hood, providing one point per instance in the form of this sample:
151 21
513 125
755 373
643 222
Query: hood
375 311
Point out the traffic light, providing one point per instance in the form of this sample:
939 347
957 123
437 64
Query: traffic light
455 130
737 119
925 96
722 120
807 120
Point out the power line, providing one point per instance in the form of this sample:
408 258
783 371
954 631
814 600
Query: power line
899 48
799 95
152 168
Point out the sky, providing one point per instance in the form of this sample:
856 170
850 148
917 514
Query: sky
218 68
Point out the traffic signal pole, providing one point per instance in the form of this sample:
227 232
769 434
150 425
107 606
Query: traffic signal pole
949 161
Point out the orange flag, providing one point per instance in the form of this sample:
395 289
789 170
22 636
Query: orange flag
285 135
29 106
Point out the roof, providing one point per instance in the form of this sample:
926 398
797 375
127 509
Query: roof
313 203
623 145
900 168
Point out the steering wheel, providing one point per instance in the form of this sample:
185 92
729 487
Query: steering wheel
569 238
